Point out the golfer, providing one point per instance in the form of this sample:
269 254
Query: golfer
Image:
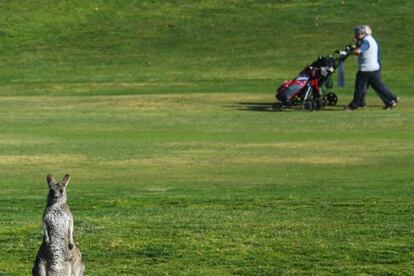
369 72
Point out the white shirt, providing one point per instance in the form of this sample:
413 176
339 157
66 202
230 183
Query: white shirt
368 60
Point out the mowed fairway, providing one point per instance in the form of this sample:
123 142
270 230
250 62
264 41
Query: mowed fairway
211 184
161 113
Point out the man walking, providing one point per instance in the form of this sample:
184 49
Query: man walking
369 73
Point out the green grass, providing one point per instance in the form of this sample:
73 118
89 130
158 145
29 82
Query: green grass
159 111
185 46
206 184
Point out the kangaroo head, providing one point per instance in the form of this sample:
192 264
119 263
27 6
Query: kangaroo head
57 190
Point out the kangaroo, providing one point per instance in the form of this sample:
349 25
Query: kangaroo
58 255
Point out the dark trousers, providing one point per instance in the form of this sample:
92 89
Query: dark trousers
373 79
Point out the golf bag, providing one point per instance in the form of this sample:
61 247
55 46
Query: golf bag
308 88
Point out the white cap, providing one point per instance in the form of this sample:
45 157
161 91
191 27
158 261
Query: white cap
363 29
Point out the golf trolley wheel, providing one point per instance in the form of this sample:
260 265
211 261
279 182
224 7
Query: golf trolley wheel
277 107
319 103
297 101
332 98
324 101
308 105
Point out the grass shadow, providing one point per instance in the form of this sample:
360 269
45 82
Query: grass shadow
255 106
267 107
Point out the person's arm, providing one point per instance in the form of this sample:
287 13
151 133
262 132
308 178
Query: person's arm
357 52
363 46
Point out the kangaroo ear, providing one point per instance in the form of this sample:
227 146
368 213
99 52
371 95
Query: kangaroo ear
50 180
65 180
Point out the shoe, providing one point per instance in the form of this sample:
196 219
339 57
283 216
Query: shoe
349 108
397 100
391 105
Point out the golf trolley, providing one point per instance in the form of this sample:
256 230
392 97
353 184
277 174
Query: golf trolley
308 88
